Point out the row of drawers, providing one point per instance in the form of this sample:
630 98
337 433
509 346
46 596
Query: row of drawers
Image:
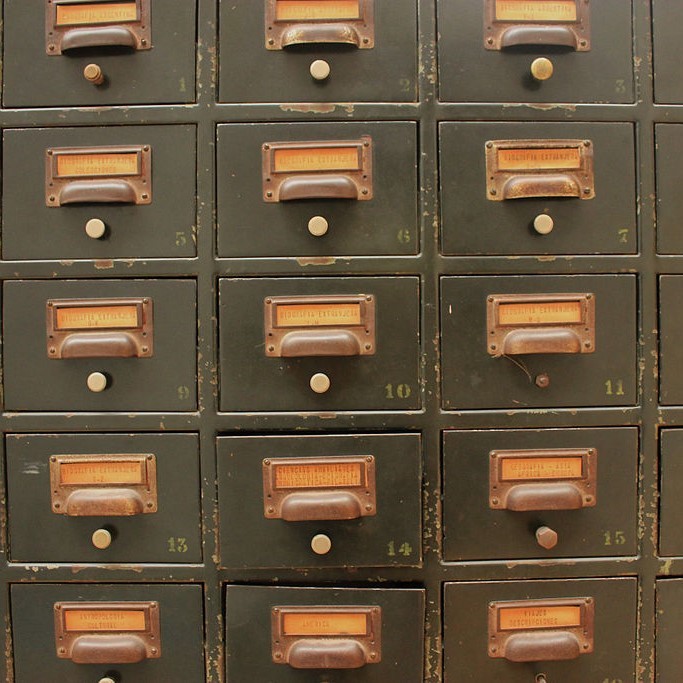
485 49
559 630
333 343
137 185
334 500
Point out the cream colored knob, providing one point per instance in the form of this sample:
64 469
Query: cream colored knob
95 228
320 69
101 539
107 680
544 224
93 74
542 69
546 537
320 383
321 544
97 382
318 226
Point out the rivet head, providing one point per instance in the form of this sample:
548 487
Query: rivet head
97 382
321 544
320 383
93 74
542 69
318 226
95 228
320 69
101 539
543 224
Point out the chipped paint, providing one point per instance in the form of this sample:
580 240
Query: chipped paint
317 261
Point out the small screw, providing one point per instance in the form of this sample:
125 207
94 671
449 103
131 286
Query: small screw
542 381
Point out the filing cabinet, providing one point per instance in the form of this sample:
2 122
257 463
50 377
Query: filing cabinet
561 630
540 493
537 188
350 200
143 51
355 51
319 344
104 497
564 341
346 500
284 634
78 633
77 193
489 51
100 345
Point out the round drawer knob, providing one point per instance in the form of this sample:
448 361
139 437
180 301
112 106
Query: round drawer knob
93 74
320 69
321 544
101 539
543 224
542 69
318 226
106 679
97 382
320 383
546 537
95 228
542 381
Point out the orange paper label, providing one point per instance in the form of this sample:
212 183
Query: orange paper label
541 313
332 475
96 13
536 10
531 617
96 620
89 165
317 315
103 472
322 159
548 159
94 317
525 469
298 10
319 624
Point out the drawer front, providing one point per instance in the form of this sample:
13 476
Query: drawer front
250 226
669 203
103 494
36 77
529 510
471 72
669 625
164 379
671 330
313 498
671 481
35 633
471 655
33 229
398 645
531 374
666 17
384 380
384 72
475 222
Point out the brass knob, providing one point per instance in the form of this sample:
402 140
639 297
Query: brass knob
546 537
321 544
543 224
542 69
320 69
541 678
101 539
93 74
97 382
542 381
95 228
318 226
320 383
